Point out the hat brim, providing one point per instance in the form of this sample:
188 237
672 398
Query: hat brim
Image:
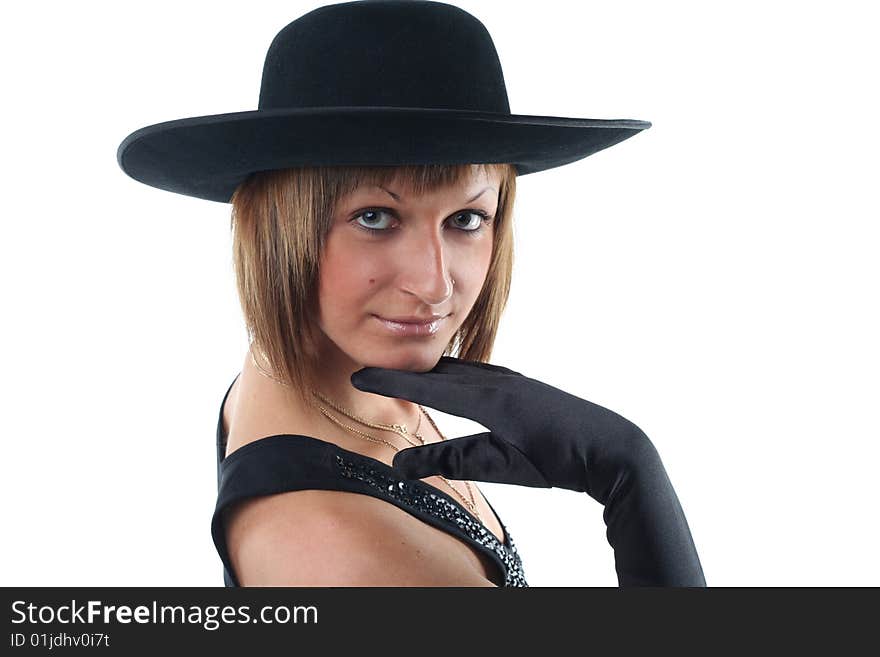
209 156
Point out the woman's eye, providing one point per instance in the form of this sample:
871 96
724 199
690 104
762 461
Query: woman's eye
471 221
370 216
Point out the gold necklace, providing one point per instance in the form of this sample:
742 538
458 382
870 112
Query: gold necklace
399 429
471 504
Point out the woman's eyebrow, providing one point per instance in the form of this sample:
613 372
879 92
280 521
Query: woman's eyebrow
396 197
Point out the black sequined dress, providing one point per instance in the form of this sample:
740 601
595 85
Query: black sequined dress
287 462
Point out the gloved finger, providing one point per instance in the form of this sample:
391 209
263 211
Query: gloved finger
470 395
479 457
453 370
452 365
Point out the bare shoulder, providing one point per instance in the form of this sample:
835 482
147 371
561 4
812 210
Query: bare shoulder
257 407
337 538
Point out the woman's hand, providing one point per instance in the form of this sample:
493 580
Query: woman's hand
541 436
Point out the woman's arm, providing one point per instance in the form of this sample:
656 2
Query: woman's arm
336 538
545 437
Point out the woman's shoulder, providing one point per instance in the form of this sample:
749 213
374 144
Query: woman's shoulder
337 538
257 407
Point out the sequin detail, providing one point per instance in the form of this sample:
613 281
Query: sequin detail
416 494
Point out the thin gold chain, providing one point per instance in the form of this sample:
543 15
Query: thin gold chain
471 504
399 429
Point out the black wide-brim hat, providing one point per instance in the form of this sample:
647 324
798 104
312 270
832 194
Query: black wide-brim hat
372 82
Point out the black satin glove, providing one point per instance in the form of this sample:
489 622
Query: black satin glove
544 437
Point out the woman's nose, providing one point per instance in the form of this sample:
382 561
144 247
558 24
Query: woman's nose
426 275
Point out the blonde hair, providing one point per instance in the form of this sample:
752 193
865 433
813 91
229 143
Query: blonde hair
280 220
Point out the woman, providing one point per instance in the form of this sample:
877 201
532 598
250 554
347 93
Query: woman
397 243
375 183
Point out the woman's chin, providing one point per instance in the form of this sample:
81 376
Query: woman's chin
409 362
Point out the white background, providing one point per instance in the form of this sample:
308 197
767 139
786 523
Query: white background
713 279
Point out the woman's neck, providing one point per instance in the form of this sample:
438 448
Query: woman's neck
334 384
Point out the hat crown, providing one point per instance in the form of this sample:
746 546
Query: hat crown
384 53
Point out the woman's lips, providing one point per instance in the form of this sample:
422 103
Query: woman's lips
411 328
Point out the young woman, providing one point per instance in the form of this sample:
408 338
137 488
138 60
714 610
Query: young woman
394 246
372 196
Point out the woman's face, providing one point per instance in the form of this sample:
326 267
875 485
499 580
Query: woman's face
404 267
